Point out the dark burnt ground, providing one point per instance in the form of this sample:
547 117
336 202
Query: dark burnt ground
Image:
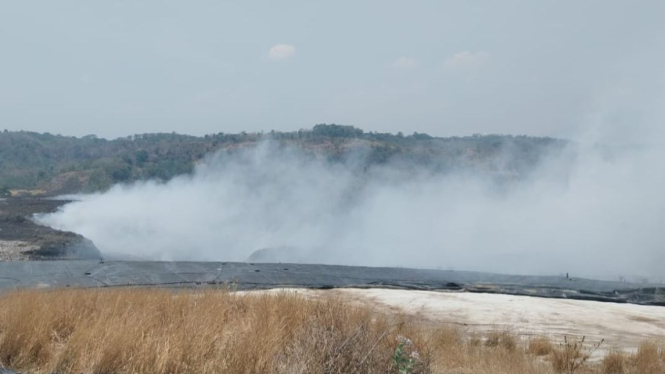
22 239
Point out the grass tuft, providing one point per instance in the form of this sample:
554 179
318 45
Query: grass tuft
614 363
647 360
540 346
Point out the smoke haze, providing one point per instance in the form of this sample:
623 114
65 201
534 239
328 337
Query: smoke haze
590 211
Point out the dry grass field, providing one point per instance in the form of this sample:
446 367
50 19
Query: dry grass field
217 331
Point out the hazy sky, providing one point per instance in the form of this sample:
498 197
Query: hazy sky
441 67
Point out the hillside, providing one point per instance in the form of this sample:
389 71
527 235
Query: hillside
55 164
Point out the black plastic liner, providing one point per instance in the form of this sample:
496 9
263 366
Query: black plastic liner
244 276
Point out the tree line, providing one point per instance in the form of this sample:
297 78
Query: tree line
66 164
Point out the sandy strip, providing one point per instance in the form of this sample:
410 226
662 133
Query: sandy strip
622 326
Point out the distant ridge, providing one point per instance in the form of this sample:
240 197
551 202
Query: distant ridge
54 164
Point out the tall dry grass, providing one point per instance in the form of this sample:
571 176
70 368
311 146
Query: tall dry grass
216 331
649 359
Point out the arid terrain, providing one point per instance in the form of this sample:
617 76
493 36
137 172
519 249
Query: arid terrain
621 326
216 331
377 186
22 239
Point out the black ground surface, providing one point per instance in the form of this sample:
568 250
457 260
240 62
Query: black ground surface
70 273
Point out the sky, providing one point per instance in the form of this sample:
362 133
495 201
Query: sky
440 67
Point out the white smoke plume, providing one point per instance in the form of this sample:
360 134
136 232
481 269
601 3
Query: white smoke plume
599 216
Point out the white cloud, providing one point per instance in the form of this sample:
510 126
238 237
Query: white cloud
281 52
406 63
466 59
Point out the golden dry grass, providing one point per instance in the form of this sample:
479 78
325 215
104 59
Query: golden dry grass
216 331
571 355
614 363
649 359
540 346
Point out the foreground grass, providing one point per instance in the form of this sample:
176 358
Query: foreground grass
186 331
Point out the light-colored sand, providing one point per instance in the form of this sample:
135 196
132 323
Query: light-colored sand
621 325
14 250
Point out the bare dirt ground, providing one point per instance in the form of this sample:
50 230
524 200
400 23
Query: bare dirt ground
15 250
623 326
21 239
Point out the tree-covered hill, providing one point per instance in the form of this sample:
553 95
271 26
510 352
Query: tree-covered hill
60 164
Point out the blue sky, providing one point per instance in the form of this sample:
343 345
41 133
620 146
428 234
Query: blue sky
441 67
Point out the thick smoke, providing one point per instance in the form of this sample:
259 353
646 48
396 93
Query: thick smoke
600 215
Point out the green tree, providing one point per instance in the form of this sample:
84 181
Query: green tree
141 157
